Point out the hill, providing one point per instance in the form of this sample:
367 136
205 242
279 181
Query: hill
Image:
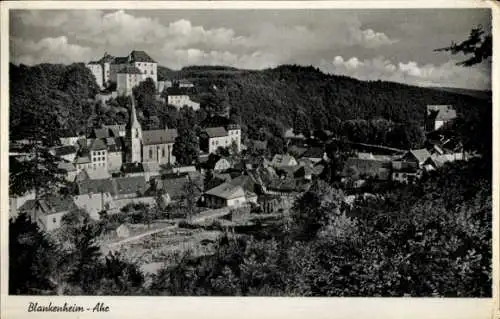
265 102
481 94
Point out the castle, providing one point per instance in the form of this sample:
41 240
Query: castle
126 72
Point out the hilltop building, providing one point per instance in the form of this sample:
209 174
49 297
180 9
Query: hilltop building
126 71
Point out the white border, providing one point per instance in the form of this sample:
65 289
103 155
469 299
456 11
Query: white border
251 307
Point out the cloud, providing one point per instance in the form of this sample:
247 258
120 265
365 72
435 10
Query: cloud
50 50
446 74
119 32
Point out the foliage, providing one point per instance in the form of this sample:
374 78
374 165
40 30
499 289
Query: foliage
478 46
186 148
32 259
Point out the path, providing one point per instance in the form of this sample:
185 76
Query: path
201 217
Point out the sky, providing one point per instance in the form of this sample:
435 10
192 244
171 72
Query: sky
392 45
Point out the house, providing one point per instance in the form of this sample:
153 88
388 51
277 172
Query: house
406 174
15 202
82 162
185 84
355 167
172 184
68 170
226 195
69 139
217 163
65 152
48 212
119 188
179 97
314 154
93 203
92 174
281 160
418 157
439 115
219 131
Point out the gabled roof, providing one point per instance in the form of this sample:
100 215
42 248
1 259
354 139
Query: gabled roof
216 131
129 168
290 134
314 152
140 56
154 137
98 144
64 150
129 70
226 191
114 186
174 91
421 155
51 204
65 166
442 112
120 60
282 160
101 132
82 160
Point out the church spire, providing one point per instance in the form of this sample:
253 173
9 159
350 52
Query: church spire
133 116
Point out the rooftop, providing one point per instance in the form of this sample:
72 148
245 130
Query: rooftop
140 56
226 191
51 204
216 131
154 137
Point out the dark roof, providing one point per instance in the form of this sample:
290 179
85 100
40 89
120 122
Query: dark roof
216 131
98 144
114 186
115 144
120 60
173 90
64 150
140 56
215 121
106 58
154 137
421 155
51 204
314 152
101 132
129 70
132 168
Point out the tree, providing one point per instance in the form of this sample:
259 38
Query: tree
478 46
33 258
186 147
190 195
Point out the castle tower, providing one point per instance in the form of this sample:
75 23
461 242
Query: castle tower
134 136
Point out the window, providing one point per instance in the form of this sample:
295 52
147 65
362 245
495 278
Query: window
54 220
150 154
152 72
163 151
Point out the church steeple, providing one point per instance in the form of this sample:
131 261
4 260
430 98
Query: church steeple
134 134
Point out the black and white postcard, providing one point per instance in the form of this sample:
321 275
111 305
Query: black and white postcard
231 150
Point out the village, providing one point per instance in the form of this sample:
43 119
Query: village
121 169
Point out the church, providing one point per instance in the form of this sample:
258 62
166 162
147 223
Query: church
148 146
